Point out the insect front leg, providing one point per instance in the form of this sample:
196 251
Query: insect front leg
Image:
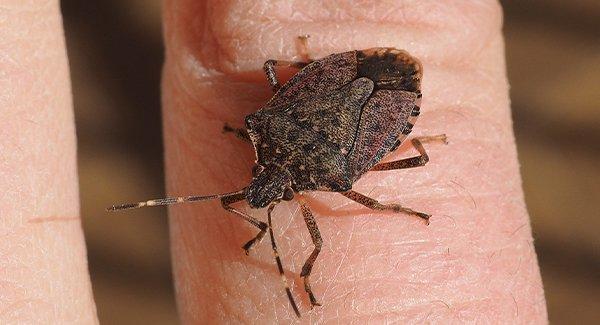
315 235
411 162
240 133
376 205
226 203
278 261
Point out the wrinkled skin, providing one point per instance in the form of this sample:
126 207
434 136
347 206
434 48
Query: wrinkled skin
474 263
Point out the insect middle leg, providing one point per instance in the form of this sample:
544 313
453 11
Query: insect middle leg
240 133
269 68
411 162
376 205
315 235
226 203
270 65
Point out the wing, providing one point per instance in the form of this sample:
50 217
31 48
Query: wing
331 119
382 121
312 137
389 68
335 116
319 77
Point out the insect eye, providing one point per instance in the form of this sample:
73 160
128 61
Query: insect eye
256 170
288 194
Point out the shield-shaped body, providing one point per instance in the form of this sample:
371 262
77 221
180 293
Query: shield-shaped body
338 117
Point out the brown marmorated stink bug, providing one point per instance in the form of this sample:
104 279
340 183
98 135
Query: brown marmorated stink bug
332 122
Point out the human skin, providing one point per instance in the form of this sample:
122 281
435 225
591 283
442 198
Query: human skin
43 269
475 262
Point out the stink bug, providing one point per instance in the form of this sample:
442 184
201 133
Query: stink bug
332 122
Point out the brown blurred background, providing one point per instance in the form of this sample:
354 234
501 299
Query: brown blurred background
115 52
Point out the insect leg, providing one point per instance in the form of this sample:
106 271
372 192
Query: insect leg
270 65
411 162
226 203
315 235
269 68
376 205
303 48
278 261
238 132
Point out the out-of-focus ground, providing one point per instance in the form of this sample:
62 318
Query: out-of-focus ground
115 50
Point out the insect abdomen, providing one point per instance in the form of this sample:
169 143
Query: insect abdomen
390 68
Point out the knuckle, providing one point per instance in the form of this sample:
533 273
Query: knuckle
439 30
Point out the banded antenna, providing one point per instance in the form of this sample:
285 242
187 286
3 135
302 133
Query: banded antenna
171 200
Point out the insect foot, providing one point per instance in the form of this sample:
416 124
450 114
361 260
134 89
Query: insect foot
400 209
376 205
308 289
256 240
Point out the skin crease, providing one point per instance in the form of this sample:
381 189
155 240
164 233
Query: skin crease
474 263
43 269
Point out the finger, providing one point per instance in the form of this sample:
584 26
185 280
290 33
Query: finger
42 252
474 262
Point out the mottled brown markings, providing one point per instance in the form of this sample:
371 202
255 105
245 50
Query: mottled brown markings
383 119
323 129
326 139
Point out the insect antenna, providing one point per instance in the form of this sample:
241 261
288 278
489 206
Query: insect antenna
171 200
279 264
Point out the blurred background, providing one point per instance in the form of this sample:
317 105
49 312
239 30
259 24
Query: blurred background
115 52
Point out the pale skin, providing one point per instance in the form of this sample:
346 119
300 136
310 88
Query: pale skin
475 262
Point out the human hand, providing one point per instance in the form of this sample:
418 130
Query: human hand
475 262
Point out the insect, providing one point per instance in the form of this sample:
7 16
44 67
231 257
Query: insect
332 122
